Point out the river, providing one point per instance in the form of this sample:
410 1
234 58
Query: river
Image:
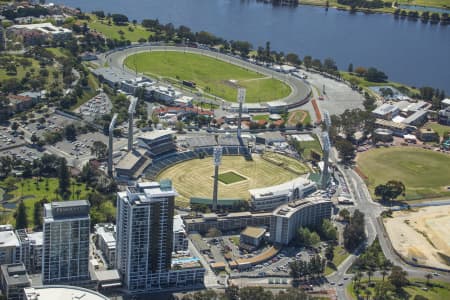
410 52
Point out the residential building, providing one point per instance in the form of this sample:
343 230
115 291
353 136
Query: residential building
180 241
145 240
14 279
44 32
252 236
289 217
269 198
106 242
9 247
31 250
66 242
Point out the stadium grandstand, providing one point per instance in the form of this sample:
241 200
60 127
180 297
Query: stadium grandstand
157 142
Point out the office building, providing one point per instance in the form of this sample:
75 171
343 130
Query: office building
66 242
14 279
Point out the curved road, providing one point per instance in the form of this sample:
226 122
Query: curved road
299 89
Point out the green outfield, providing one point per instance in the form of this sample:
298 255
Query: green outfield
425 173
195 177
211 75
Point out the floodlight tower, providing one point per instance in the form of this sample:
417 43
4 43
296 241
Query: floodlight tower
326 155
217 160
110 146
327 119
131 110
241 100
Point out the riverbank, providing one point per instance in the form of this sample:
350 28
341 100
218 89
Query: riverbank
412 10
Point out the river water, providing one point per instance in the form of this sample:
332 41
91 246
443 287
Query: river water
407 51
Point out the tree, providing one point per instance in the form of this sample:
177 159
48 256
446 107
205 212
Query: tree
293 59
232 292
307 61
213 232
70 132
179 126
14 126
354 232
360 71
398 277
64 178
21 216
384 273
34 139
37 214
292 294
350 68
391 190
329 252
374 75
344 214
99 149
254 293
370 274
346 150
327 231
428 276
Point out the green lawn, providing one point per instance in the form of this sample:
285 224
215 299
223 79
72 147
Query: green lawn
435 3
33 190
235 240
88 93
439 128
112 31
211 75
230 177
21 70
340 254
438 290
260 117
425 173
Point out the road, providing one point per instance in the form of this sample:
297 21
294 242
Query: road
299 89
364 203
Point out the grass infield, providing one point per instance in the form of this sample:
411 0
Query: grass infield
230 177
212 76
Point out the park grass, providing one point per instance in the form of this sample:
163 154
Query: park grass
21 70
112 31
439 128
425 173
211 75
438 290
32 190
194 178
433 3
230 177
340 254
88 94
353 78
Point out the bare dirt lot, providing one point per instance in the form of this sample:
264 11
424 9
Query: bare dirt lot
422 235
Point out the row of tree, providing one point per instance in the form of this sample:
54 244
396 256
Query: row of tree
248 293
354 233
303 269
425 16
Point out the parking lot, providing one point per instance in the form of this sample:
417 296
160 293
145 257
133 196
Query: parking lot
54 122
9 138
24 152
97 106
